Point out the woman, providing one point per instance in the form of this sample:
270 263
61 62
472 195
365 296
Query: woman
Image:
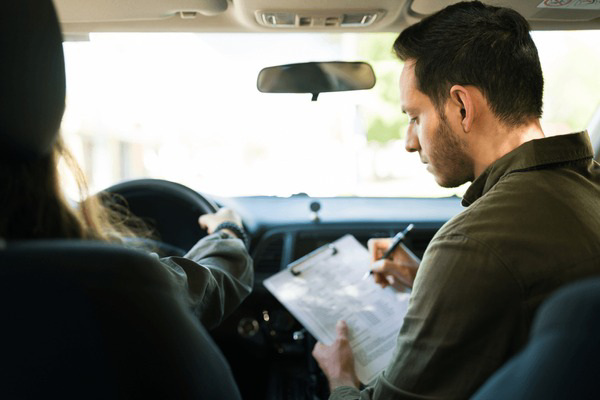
216 274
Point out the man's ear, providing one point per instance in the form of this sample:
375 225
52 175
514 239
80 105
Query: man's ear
462 106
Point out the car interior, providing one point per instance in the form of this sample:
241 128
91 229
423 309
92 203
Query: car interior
260 351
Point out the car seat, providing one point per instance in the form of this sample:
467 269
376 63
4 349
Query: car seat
83 319
562 357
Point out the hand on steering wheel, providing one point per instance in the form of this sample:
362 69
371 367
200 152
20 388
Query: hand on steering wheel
211 221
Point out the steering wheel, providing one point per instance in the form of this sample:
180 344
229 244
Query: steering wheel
171 209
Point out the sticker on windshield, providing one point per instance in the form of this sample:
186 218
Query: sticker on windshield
571 4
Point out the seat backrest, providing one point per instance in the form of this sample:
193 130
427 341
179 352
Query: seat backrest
32 78
92 320
562 357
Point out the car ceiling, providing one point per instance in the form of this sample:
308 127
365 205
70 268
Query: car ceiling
85 16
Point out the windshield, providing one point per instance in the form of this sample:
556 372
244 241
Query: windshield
185 107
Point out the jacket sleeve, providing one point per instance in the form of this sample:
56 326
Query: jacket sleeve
215 276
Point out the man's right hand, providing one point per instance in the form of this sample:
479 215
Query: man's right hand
399 271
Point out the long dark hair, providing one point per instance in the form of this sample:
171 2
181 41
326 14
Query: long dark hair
32 103
34 206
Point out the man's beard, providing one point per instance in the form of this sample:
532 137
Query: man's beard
453 166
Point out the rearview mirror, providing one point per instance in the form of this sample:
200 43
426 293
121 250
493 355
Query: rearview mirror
316 77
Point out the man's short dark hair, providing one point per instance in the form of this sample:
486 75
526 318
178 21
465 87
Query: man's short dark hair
471 43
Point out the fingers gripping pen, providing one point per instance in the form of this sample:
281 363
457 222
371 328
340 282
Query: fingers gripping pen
395 243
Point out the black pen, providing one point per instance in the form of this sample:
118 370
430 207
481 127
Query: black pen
395 243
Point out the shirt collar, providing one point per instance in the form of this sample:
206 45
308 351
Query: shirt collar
534 154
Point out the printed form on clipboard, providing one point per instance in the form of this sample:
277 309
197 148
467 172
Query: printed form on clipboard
326 285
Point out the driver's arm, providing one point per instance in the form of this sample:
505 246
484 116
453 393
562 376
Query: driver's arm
215 275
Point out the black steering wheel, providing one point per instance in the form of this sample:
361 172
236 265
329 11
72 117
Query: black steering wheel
170 209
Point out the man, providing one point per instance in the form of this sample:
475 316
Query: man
472 88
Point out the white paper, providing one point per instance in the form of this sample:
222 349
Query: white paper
331 287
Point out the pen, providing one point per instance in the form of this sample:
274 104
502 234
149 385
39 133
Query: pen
395 243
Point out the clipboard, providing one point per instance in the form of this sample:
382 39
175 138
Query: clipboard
326 285
327 250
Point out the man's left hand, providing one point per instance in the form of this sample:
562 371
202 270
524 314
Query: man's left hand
337 360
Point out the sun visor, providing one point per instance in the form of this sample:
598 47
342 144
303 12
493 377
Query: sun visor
77 11
540 13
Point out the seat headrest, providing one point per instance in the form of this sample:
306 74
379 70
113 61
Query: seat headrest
32 78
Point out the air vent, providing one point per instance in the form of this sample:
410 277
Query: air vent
268 256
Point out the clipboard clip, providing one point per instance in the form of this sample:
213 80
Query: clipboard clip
324 251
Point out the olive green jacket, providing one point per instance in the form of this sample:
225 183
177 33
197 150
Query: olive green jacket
532 224
215 276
